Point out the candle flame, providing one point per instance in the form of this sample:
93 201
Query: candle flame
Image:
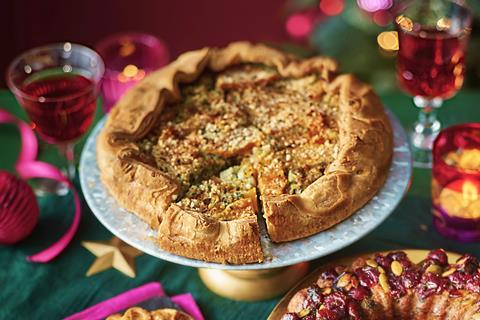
469 192
470 160
127 48
130 71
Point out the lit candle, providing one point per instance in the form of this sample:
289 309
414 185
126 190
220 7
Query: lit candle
461 199
128 59
456 182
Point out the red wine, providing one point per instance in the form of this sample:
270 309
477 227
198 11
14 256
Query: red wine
431 63
61 106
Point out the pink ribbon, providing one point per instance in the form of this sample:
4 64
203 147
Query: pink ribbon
134 297
27 167
187 303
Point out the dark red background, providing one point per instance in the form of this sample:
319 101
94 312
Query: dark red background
182 24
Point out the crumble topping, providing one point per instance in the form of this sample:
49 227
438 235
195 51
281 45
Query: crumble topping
243 128
220 196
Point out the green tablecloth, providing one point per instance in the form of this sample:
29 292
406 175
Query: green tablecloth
60 288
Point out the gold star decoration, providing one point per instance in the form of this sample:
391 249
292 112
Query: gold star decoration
112 254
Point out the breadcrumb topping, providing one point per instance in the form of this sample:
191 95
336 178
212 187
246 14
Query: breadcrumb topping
243 128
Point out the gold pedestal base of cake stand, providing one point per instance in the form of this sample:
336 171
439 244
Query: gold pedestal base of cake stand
252 285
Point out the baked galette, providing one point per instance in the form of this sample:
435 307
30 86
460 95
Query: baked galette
221 138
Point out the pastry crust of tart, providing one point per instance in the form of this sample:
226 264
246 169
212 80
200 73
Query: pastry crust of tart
353 174
137 313
352 179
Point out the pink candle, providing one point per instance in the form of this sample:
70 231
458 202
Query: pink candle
456 182
128 58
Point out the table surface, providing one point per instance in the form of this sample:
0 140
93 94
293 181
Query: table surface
60 288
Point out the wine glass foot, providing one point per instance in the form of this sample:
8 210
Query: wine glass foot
45 187
421 139
422 158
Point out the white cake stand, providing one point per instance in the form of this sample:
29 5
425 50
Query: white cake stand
286 262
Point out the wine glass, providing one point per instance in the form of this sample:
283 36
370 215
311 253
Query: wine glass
433 38
58 86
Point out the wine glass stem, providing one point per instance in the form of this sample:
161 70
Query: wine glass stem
424 131
68 156
428 124
427 117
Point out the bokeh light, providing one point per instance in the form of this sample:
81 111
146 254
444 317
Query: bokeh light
382 18
375 5
299 25
444 23
332 7
405 23
388 40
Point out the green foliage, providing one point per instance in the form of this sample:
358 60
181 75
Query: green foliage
352 40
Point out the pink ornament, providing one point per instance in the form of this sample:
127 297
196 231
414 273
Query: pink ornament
18 209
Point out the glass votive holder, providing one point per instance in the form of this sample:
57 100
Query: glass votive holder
128 58
456 182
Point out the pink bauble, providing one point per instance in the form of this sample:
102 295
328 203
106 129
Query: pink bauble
18 209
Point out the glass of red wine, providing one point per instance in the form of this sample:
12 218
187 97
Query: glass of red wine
433 38
58 86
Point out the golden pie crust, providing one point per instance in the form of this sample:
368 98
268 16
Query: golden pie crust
358 170
137 313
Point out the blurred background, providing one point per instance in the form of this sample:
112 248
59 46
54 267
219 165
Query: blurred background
355 32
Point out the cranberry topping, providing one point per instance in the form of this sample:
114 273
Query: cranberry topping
327 314
468 264
410 278
397 289
427 263
430 284
401 257
439 256
358 293
290 316
383 261
458 280
326 279
473 284
368 276
454 293
354 311
314 297
336 302
397 255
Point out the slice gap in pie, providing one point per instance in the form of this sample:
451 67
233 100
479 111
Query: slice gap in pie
202 148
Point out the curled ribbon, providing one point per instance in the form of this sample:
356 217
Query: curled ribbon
134 297
27 167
